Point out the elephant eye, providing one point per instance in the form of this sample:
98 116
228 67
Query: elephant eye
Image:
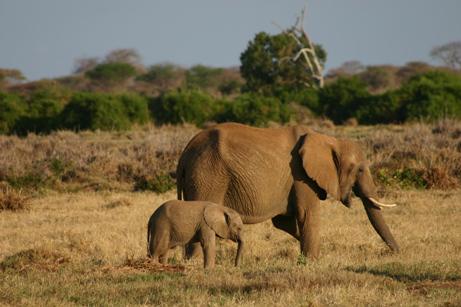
351 168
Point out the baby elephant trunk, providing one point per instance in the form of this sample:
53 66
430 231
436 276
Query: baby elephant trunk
238 258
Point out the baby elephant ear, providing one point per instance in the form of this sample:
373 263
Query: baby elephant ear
216 218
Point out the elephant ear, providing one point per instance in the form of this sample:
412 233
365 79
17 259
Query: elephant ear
320 161
216 218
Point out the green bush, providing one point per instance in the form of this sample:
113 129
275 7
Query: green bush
202 77
405 178
112 72
94 111
254 109
378 77
136 108
42 119
307 97
164 75
159 183
431 96
43 107
12 107
341 99
190 106
35 178
380 109
230 87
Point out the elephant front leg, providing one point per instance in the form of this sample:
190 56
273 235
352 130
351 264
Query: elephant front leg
208 242
308 219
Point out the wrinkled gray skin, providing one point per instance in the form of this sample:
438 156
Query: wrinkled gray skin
279 174
179 222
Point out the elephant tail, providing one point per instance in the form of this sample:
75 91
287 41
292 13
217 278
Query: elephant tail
148 240
180 180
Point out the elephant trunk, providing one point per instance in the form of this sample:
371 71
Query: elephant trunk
238 258
377 220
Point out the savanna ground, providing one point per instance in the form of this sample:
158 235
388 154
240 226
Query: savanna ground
82 238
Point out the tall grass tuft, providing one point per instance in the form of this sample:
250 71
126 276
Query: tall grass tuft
12 199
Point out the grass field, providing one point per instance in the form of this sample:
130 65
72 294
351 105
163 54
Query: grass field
82 240
88 248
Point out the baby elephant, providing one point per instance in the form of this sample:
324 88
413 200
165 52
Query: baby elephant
179 222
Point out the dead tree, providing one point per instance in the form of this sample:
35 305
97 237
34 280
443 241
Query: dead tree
306 51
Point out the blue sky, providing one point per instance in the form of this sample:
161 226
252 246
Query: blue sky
42 38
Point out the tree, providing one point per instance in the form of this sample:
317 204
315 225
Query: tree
308 52
379 77
267 63
165 76
348 68
289 60
412 69
112 73
130 56
10 76
127 55
84 65
449 54
203 77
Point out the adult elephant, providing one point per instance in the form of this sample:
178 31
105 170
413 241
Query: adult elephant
279 174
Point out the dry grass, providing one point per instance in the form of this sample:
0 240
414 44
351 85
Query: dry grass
89 248
409 156
417 155
12 199
91 160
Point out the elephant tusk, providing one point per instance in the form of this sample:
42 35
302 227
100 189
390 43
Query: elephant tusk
379 204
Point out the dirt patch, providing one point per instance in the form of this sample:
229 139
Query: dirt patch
144 265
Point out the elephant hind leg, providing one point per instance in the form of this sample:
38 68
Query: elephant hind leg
287 224
158 246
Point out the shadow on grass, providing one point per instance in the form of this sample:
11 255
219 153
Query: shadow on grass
417 272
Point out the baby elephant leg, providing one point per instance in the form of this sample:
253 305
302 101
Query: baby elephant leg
158 246
208 243
164 258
